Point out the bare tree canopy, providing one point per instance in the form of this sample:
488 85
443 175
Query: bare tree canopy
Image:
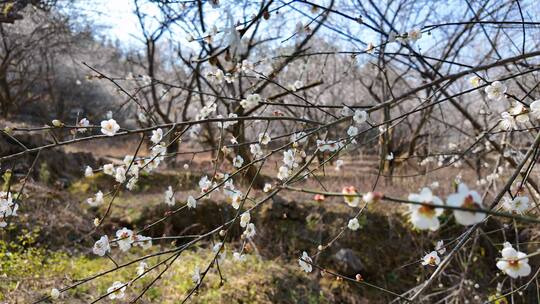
270 151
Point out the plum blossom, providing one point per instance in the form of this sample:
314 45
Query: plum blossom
353 224
535 109
414 35
157 135
108 169
191 202
256 150
339 163
264 139
351 197
250 231
141 268
466 198
145 242
371 197
475 81
117 290
245 218
125 238
360 116
267 188
431 259
205 184
97 200
239 257
283 173
514 263
352 131
7 207
305 262
169 196
120 175
83 124
238 161
101 246
425 217
495 91
250 101
88 172
520 113
507 122
519 204
109 127
55 293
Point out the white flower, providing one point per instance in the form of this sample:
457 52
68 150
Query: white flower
264 139
305 262
141 268
267 187
55 293
196 276
88 171
440 247
125 238
131 183
496 90
245 218
351 197
535 108
250 231
144 241
520 113
235 198
475 81
431 259
415 34
360 116
120 174
466 198
191 202
83 124
238 161
283 173
57 123
507 122
157 135
519 204
250 101
371 197
7 207
98 200
169 196
108 169
116 290
102 246
390 156
289 158
256 150
239 257
339 163
300 137
352 131
353 224
514 263
109 127
425 217
205 184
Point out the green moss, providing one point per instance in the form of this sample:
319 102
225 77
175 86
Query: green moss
36 271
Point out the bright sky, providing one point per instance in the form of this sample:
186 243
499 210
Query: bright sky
116 15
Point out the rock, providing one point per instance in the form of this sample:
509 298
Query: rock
347 261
